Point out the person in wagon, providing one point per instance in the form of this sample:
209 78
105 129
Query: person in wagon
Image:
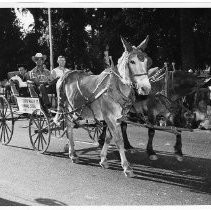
59 71
22 72
41 77
23 76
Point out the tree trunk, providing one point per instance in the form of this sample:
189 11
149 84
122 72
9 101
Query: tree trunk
187 40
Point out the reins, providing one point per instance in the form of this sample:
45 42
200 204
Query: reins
138 75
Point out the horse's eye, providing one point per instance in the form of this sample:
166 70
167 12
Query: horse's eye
132 62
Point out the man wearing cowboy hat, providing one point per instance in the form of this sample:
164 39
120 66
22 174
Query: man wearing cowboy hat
41 77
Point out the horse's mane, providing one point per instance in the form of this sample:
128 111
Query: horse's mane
122 65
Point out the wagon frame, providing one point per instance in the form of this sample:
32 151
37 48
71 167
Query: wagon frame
41 125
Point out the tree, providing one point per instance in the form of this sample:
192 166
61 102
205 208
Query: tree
81 34
10 42
187 41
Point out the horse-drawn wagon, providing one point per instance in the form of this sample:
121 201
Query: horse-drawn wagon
95 98
15 106
94 102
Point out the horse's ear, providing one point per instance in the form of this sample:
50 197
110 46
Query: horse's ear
143 44
126 45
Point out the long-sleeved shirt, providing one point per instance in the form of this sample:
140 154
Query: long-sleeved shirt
39 76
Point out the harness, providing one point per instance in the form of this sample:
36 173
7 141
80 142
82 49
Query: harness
115 94
92 98
118 96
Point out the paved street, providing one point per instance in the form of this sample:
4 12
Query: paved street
28 178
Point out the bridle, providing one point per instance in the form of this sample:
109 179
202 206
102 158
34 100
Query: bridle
132 75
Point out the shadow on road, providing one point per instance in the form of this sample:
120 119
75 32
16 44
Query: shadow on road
26 148
193 173
57 154
50 202
5 202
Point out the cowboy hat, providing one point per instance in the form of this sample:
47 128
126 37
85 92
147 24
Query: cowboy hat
39 55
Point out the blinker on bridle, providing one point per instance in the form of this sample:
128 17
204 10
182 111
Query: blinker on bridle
141 57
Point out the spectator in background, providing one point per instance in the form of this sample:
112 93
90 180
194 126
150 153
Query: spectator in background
75 67
207 69
107 60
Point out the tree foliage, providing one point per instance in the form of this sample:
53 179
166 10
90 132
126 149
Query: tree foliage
176 35
10 41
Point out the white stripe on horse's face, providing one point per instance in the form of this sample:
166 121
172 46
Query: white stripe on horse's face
138 68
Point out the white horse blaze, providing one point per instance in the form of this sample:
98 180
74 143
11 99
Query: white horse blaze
143 85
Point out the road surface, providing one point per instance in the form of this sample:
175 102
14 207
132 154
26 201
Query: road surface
28 178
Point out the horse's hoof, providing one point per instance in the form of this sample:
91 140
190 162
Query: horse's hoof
179 158
74 159
129 173
153 157
104 164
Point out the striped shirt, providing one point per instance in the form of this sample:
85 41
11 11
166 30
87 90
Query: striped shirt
39 76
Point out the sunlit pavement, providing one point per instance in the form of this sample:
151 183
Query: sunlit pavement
28 178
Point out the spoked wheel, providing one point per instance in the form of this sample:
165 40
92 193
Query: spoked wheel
6 121
58 130
97 131
39 131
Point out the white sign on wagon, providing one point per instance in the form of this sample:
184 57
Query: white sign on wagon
28 105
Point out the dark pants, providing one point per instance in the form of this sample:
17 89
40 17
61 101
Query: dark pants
7 91
44 91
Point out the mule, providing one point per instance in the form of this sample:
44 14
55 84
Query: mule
107 97
199 103
171 110
158 111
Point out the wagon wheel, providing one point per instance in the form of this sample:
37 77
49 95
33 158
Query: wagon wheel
39 131
6 121
58 130
95 131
